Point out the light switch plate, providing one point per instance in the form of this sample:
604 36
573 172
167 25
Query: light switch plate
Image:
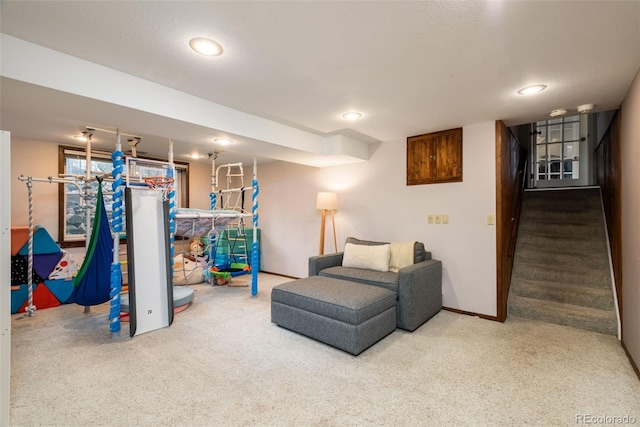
445 218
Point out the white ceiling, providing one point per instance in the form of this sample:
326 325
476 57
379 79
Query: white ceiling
291 69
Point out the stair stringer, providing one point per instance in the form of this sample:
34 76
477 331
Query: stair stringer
613 277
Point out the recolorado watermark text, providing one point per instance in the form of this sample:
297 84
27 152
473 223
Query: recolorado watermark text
604 419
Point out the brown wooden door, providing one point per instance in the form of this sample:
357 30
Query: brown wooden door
421 160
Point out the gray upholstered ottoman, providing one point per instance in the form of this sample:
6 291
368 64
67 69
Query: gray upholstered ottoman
347 315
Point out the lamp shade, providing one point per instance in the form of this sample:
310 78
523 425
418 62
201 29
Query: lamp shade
327 200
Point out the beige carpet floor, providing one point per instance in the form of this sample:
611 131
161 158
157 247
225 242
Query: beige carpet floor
223 363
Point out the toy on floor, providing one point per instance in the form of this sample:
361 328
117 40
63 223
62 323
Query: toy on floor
238 267
187 270
196 247
216 277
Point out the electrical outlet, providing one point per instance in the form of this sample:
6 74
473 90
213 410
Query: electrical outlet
491 219
430 219
445 218
437 219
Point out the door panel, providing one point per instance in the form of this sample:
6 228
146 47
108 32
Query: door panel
556 152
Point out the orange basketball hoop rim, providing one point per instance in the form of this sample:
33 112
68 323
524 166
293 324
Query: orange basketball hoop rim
159 183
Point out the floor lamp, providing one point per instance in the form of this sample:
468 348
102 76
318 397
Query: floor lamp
327 201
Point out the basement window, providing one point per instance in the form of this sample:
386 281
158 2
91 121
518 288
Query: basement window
72 205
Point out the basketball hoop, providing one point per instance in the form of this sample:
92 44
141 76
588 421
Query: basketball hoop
161 184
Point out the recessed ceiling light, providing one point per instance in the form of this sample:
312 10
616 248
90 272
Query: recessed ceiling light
194 155
530 90
558 112
223 141
80 138
205 46
352 115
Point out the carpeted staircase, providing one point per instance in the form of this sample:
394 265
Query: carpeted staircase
561 270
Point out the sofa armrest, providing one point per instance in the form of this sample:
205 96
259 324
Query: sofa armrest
320 262
419 293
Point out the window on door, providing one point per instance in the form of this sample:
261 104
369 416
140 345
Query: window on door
557 149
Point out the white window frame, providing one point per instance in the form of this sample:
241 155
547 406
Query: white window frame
65 210
541 168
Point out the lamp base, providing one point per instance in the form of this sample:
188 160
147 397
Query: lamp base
324 219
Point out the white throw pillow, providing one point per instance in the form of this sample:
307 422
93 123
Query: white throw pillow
368 257
400 255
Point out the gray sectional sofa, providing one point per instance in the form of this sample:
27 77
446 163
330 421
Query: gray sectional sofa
352 308
418 287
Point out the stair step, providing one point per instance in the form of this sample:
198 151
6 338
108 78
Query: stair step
574 244
600 298
591 195
564 194
545 215
595 278
564 201
603 321
562 257
574 208
561 229
561 204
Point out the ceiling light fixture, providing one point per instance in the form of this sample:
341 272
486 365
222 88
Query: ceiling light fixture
87 133
585 108
205 46
530 90
223 141
558 112
352 115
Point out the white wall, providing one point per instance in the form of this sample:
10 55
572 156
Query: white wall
375 203
5 276
630 155
37 159
289 222
199 185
